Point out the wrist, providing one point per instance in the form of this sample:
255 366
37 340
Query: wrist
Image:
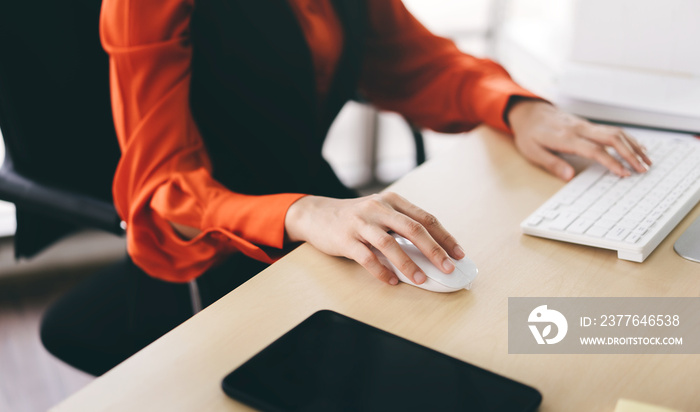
294 220
520 107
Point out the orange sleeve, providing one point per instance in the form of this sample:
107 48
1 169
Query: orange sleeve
427 79
165 173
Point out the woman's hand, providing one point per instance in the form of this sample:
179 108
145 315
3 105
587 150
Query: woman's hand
541 129
351 227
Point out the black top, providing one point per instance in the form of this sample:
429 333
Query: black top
253 95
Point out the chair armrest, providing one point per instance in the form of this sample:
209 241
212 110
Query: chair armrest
59 204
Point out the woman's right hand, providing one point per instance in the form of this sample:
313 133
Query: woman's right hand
351 227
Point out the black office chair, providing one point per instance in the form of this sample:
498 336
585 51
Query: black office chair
55 116
61 155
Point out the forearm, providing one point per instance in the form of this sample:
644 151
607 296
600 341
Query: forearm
180 219
427 78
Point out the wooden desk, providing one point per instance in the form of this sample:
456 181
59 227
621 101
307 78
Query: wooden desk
481 191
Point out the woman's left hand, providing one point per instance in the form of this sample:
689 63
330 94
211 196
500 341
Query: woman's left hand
540 129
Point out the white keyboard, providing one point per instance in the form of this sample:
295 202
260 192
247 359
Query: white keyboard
630 215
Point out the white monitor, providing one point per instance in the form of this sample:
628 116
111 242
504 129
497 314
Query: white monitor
627 61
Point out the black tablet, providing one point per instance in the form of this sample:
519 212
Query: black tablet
331 362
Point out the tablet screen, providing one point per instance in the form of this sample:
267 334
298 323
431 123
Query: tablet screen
331 362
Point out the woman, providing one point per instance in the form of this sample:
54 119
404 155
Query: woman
221 108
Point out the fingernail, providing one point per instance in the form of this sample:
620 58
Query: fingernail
641 162
646 159
448 265
419 278
393 281
459 252
566 173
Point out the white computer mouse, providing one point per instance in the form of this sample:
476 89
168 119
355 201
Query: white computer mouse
461 278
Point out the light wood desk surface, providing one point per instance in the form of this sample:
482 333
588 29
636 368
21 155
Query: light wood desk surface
481 191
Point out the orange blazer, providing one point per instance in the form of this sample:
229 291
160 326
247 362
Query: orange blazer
164 174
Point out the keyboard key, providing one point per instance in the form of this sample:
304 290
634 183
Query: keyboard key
549 206
617 233
602 205
656 213
597 231
580 225
584 180
640 230
628 223
647 223
614 215
636 215
632 238
567 199
606 223
563 221
645 206
592 215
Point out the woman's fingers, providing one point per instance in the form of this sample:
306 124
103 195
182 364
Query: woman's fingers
362 254
595 151
638 148
548 161
422 239
387 245
620 141
392 213
426 232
